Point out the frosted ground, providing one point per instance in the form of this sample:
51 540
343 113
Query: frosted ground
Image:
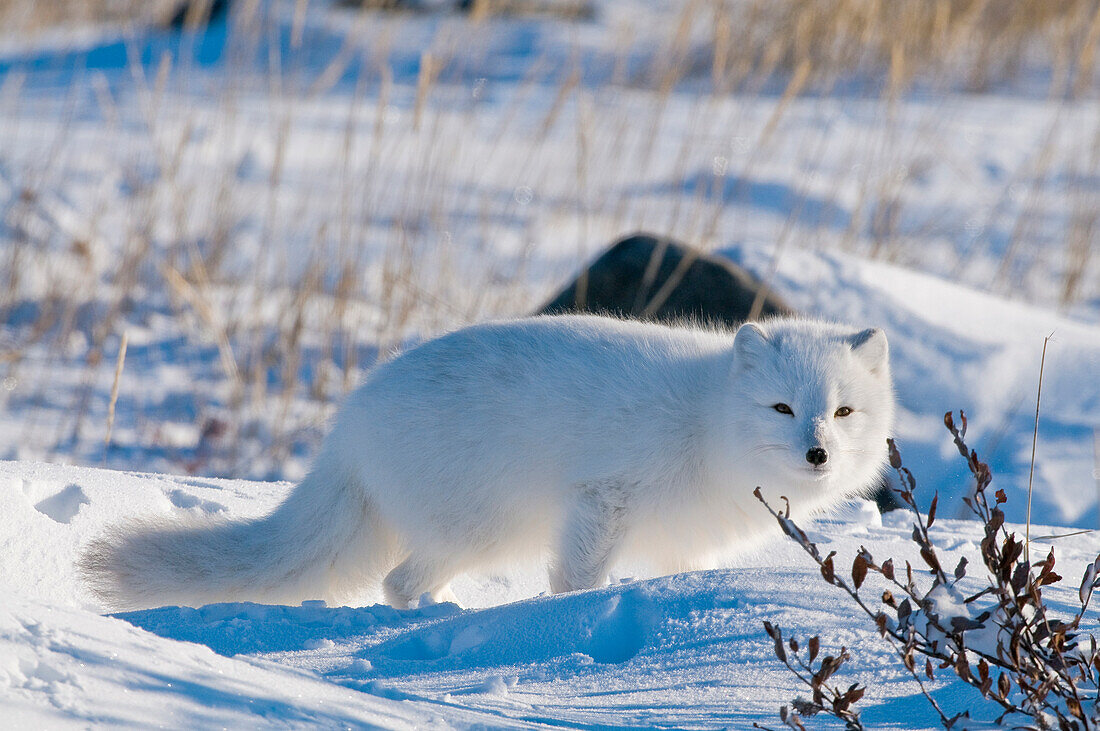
264 211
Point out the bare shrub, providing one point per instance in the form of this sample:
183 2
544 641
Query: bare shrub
1002 640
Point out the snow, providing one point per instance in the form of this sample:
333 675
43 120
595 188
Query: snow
126 151
684 651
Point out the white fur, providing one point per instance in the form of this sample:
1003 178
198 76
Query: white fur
589 435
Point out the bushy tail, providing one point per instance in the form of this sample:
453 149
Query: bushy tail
325 541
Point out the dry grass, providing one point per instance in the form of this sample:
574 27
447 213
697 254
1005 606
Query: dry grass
299 259
23 16
977 42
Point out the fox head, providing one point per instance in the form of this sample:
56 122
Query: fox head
812 406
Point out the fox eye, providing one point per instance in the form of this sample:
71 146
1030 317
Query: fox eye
842 412
783 409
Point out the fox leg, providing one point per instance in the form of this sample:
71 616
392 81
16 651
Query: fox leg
591 535
418 575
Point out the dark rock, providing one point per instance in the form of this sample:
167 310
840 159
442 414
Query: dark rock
193 14
570 9
886 496
651 278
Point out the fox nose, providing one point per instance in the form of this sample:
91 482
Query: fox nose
817 456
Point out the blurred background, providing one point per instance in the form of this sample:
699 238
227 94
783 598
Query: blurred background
216 216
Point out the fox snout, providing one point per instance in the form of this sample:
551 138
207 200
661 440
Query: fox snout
817 456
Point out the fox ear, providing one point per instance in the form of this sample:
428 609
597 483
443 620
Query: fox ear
750 344
870 346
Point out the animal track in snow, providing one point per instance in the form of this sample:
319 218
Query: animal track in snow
610 626
64 505
622 629
186 500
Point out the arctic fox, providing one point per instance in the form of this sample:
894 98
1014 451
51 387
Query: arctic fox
590 436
